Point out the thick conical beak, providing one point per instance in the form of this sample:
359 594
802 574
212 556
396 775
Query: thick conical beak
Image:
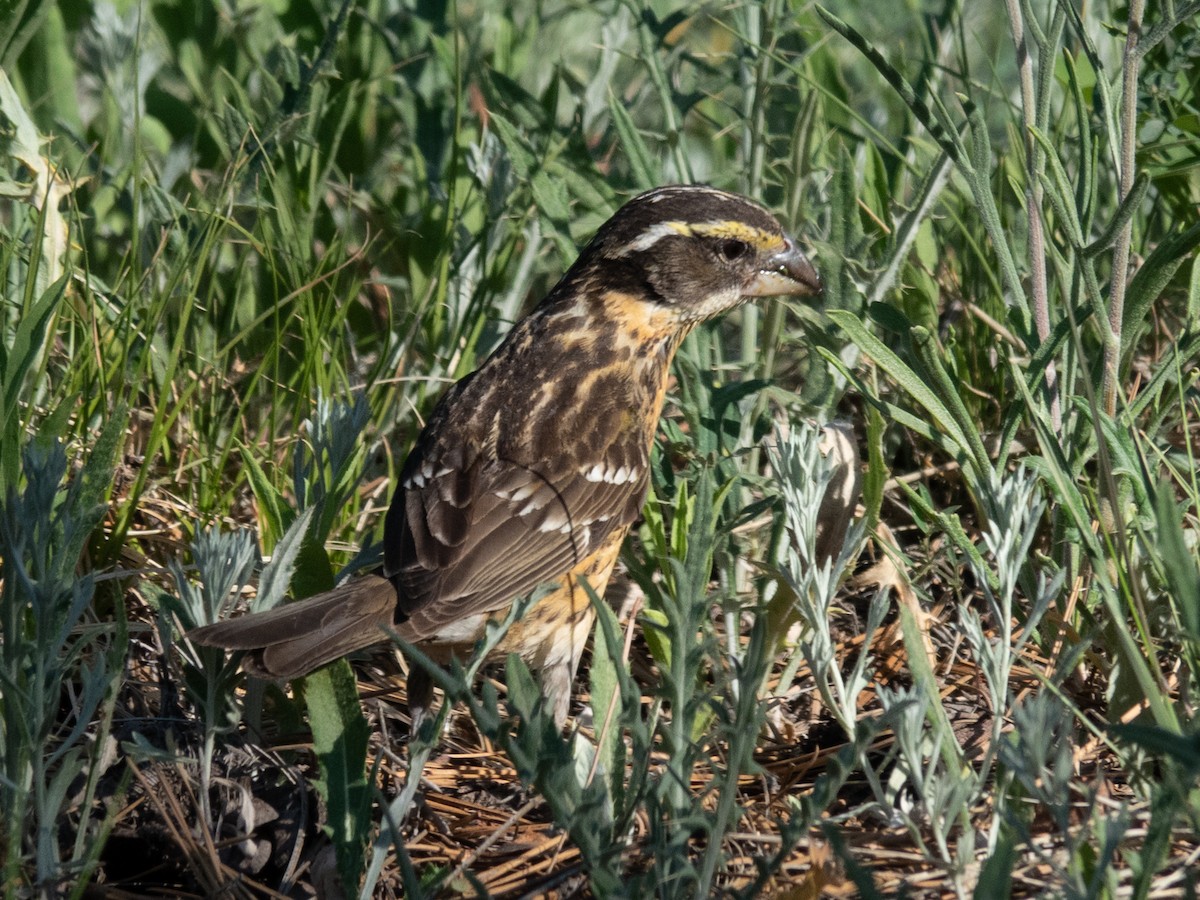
785 272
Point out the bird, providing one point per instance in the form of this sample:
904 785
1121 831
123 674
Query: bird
531 470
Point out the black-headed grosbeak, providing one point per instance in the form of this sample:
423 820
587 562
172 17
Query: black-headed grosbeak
532 469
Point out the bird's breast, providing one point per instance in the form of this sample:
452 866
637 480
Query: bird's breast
575 384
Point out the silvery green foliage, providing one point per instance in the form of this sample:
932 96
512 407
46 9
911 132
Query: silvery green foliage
803 474
1036 776
1037 754
225 563
924 793
56 670
1014 509
326 478
942 787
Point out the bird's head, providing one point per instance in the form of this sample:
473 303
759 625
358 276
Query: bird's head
694 252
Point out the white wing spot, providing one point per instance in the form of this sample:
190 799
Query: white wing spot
521 494
524 492
534 504
609 475
556 521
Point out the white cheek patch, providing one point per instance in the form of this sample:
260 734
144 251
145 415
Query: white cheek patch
715 304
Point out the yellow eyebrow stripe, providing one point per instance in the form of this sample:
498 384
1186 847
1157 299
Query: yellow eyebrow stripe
739 231
729 229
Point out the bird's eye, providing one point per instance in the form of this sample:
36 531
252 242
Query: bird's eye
734 249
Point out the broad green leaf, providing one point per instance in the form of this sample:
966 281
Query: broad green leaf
1183 577
340 741
607 708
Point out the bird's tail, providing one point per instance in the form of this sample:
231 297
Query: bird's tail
296 638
